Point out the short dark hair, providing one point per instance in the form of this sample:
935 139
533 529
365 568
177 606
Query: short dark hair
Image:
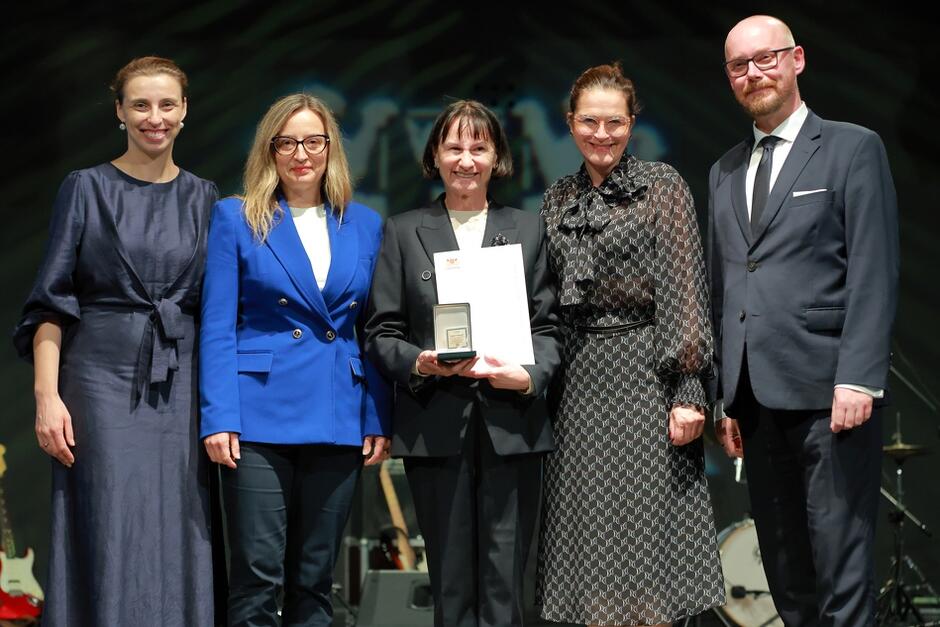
476 119
605 77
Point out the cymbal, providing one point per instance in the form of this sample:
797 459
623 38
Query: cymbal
903 450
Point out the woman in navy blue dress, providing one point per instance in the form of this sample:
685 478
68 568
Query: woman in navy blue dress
111 327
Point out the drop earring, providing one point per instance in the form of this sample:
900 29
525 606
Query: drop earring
122 126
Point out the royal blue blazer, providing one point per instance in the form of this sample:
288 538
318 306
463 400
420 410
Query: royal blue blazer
280 360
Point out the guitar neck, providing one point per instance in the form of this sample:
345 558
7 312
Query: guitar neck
398 519
6 531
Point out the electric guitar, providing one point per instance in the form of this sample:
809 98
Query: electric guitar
20 594
404 557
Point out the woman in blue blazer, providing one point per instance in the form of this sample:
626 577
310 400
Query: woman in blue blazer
289 406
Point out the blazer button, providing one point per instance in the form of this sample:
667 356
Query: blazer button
742 315
751 265
282 302
330 335
353 305
426 275
297 334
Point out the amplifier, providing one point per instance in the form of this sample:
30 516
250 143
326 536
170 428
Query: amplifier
396 598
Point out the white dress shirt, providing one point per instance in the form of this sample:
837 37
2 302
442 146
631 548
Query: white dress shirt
787 131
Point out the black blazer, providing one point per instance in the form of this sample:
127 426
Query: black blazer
813 294
431 414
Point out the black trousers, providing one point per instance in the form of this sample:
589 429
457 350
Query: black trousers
286 507
477 512
814 497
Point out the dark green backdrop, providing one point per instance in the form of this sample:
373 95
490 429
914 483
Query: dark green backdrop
387 66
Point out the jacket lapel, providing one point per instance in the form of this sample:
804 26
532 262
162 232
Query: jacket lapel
435 231
499 222
738 190
806 143
344 256
284 242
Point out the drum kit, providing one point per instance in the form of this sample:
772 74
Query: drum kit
896 599
748 600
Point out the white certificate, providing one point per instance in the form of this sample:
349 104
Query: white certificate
492 280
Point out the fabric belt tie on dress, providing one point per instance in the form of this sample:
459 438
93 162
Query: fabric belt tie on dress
158 356
613 329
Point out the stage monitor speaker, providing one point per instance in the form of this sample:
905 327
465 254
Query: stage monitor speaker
396 598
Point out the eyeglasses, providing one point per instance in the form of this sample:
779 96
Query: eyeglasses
765 60
287 146
589 125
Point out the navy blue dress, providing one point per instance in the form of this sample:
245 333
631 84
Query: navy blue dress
130 520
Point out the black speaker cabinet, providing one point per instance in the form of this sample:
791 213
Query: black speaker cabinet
396 598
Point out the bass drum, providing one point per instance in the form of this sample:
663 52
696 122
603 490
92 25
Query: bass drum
749 603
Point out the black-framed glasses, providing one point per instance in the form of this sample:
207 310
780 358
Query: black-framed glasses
764 60
287 146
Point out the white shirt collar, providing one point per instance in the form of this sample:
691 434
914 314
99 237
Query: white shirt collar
788 129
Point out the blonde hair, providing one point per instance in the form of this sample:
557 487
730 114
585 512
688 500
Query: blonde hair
260 181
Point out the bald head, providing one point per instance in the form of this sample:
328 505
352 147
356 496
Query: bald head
762 30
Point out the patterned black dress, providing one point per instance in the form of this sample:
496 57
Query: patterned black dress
627 534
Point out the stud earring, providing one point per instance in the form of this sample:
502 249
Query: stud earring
182 124
122 126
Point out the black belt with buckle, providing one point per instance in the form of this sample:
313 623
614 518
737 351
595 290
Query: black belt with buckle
614 329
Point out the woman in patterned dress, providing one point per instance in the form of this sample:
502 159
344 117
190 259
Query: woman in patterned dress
627 533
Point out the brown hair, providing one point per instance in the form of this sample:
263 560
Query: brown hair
147 66
261 181
477 120
605 77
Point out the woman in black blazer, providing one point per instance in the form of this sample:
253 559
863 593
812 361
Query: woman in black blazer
471 432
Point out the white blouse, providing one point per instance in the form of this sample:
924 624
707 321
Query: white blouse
311 226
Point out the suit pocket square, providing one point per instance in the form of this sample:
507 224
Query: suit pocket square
808 192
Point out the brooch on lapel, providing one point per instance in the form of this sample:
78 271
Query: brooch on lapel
499 240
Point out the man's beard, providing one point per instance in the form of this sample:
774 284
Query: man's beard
767 102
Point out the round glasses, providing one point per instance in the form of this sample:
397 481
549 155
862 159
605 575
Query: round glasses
589 125
287 146
765 60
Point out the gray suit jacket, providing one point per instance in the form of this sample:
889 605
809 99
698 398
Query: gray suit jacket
431 414
812 295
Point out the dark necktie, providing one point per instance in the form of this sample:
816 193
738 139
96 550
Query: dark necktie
762 180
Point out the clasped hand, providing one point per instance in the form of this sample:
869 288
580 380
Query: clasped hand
501 374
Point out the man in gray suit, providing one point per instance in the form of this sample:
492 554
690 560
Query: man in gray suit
803 256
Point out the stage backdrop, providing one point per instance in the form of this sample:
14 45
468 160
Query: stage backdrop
387 68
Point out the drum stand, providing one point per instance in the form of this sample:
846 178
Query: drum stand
895 603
